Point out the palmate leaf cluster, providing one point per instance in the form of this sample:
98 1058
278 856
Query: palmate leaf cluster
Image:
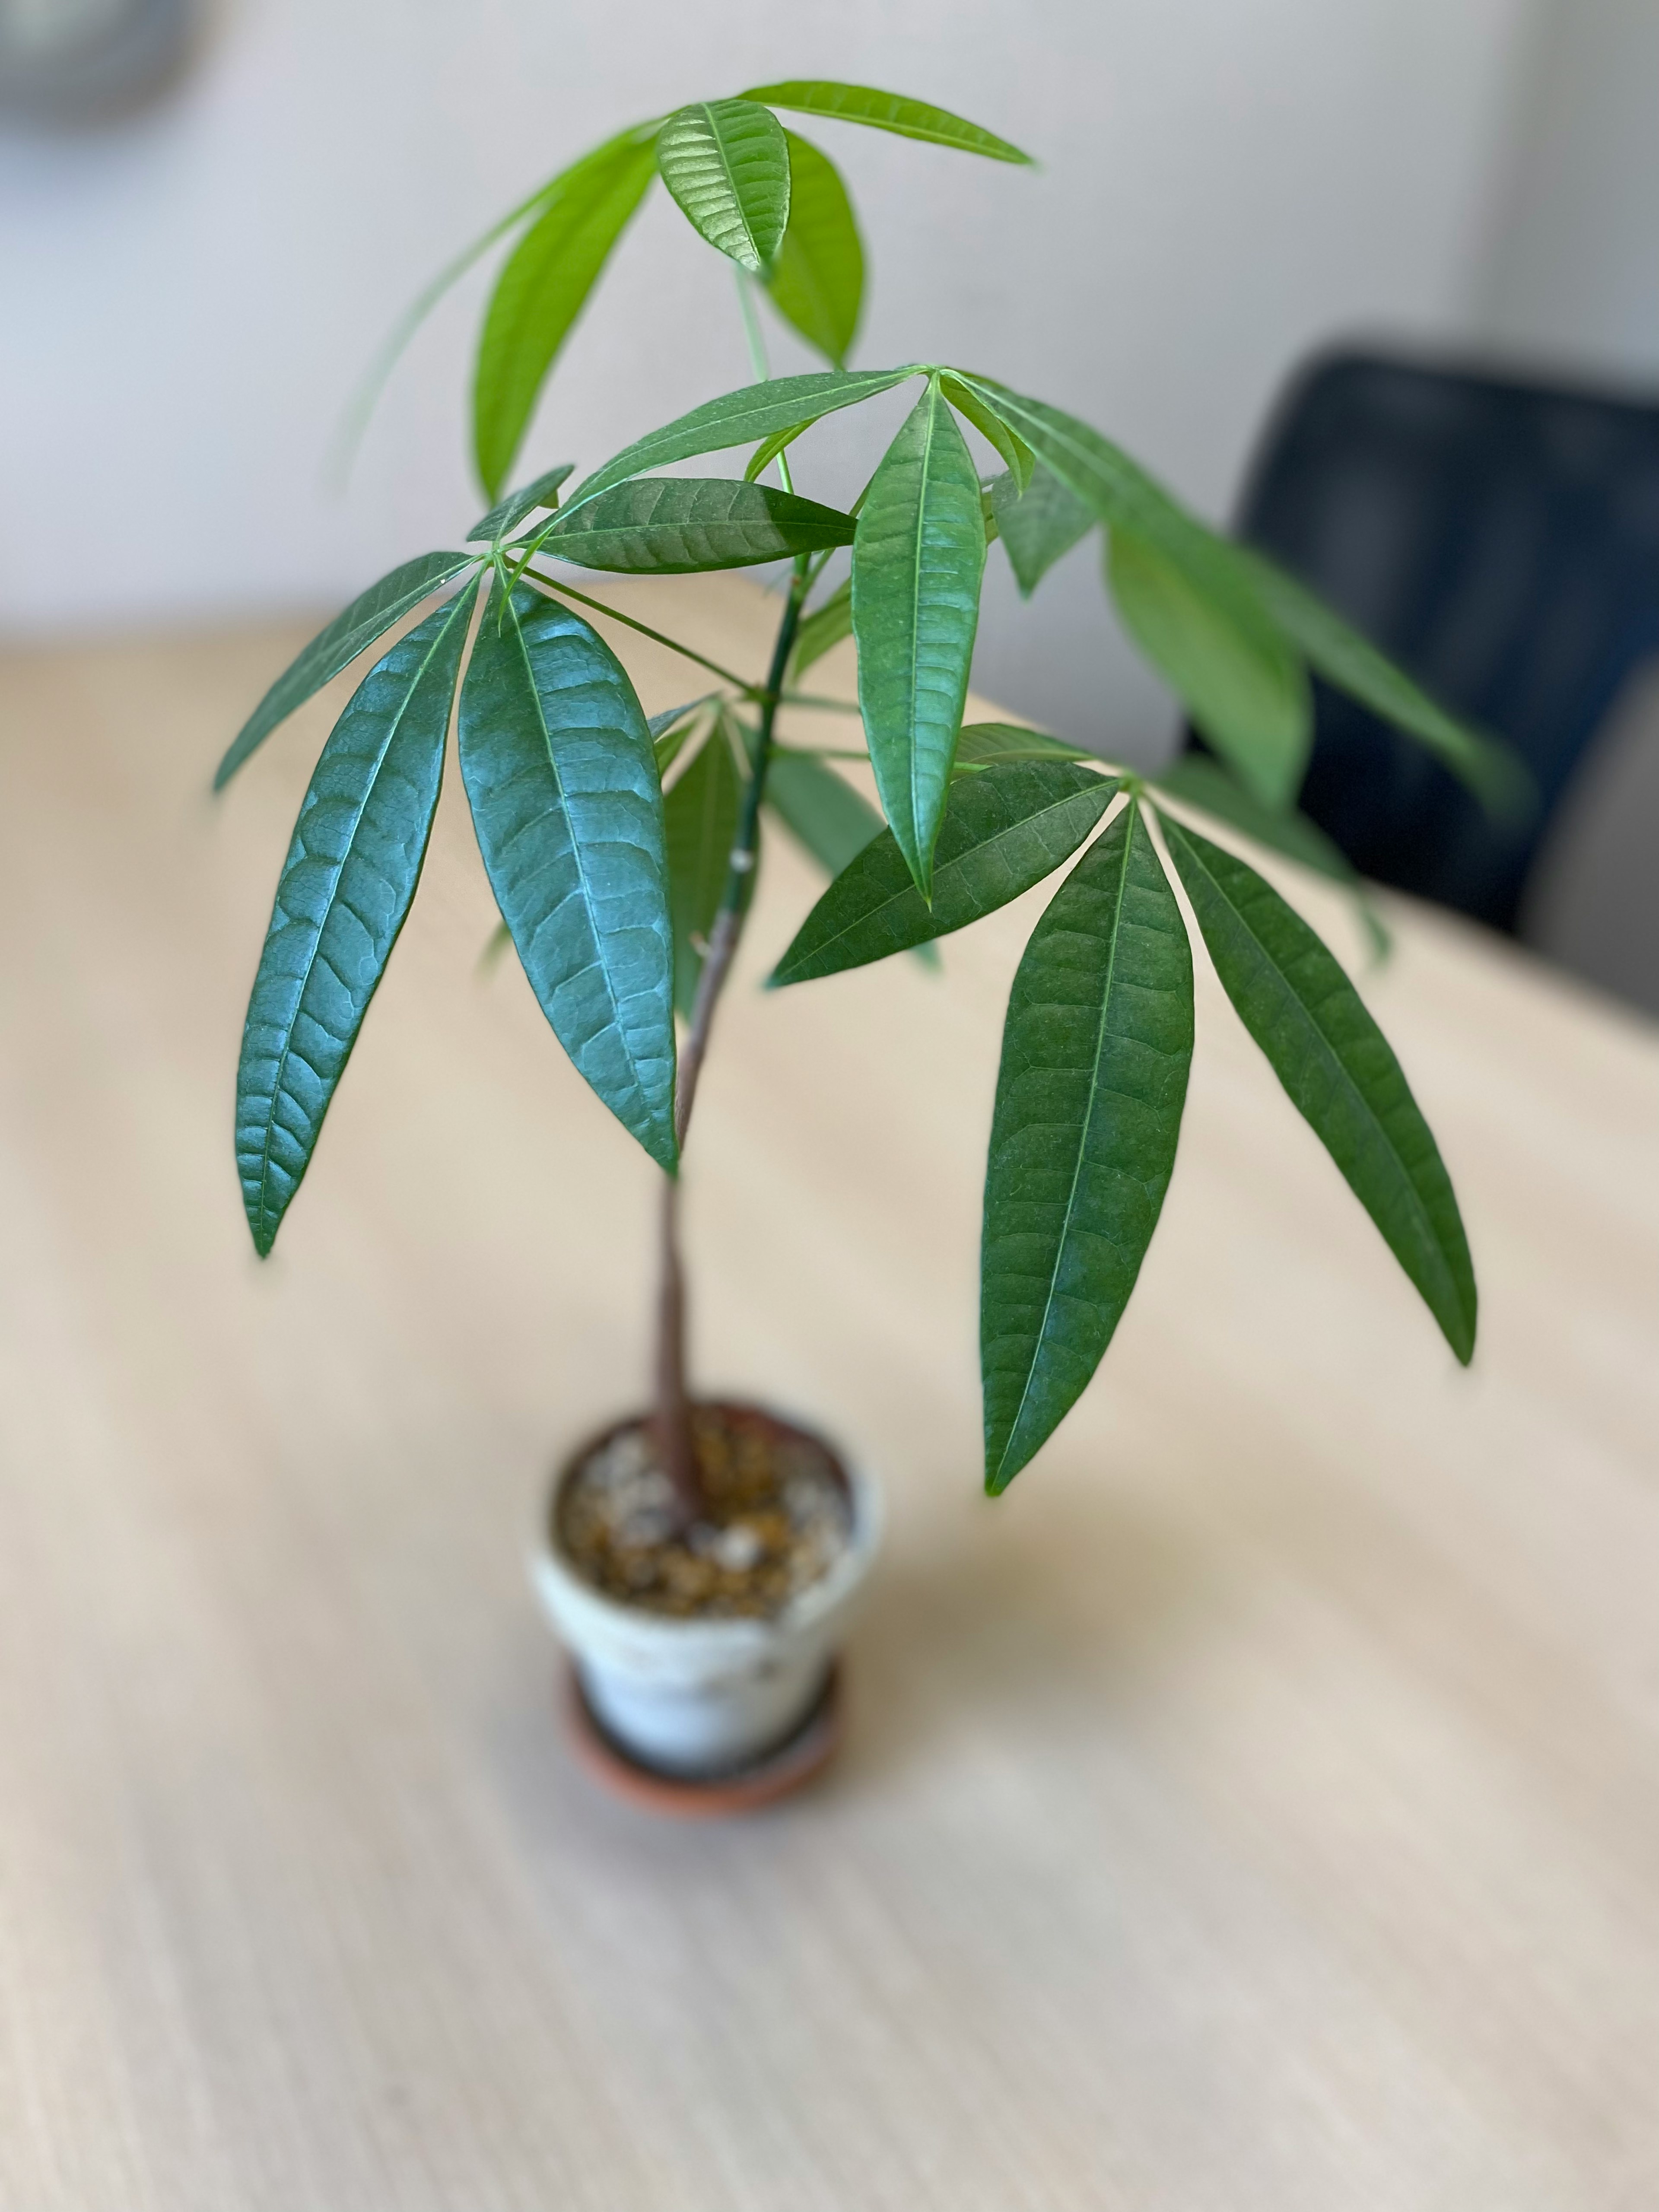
608 838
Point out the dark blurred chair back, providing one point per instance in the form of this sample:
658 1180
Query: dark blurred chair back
1501 540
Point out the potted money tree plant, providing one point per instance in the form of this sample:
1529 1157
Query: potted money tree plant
700 1557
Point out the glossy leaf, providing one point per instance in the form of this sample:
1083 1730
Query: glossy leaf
727 162
1350 662
700 816
542 288
680 525
1243 687
1339 1070
346 887
740 418
817 279
502 518
823 628
917 561
1003 831
988 744
887 110
1095 1058
769 449
368 618
557 758
1017 456
1038 526
820 809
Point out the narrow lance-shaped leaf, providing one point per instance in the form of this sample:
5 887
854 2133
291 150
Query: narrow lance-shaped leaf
820 809
368 618
917 561
700 814
1338 1068
817 279
1244 687
542 491
345 889
740 418
769 449
989 745
676 526
887 110
1018 458
542 288
557 761
1038 526
727 163
1095 1059
823 628
1003 831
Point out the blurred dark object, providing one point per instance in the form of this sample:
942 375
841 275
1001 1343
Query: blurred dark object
1500 538
65 64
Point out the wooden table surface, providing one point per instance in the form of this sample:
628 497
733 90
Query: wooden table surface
1259 1807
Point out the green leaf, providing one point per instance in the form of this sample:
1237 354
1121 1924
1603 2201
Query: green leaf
1018 457
1039 525
544 287
917 561
988 744
727 162
1337 1067
824 627
739 418
1350 662
557 762
345 887
1242 684
1095 1058
1003 831
699 815
817 280
679 525
820 809
769 449
501 517
368 618
887 110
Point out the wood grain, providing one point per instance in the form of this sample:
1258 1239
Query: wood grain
1259 1807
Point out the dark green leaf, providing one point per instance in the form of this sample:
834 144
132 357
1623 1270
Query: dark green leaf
557 761
820 808
727 162
817 280
501 517
824 627
1018 457
544 287
1336 1064
368 618
676 526
917 561
1350 662
700 816
887 110
672 733
739 418
1095 1058
1242 684
346 886
1003 831
1038 526
986 744
769 449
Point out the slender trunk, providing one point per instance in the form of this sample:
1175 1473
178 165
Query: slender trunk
676 1447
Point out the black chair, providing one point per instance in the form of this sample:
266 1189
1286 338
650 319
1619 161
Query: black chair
1500 539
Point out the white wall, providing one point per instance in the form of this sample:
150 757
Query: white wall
189 298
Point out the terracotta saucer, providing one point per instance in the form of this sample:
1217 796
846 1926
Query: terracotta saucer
742 1790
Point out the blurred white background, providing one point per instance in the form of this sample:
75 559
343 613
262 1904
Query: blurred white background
191 293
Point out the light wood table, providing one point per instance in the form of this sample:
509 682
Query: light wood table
1259 1807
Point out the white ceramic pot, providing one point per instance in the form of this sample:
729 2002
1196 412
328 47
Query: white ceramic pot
702 1697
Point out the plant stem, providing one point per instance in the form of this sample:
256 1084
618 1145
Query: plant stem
676 1445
